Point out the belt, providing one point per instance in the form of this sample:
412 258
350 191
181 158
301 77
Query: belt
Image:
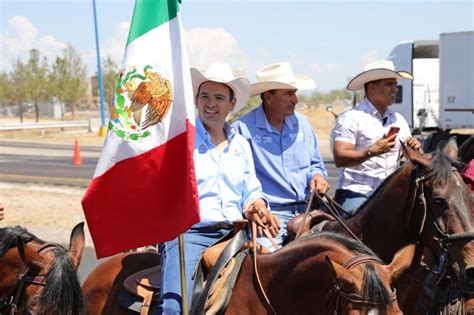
213 227
291 204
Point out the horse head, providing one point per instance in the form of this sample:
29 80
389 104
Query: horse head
363 285
38 277
325 273
441 211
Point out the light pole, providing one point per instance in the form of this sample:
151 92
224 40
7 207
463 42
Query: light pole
103 128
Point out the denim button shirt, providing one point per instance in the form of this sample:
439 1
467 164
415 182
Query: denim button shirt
285 161
226 182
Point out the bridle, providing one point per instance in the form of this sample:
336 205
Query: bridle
10 300
417 198
338 294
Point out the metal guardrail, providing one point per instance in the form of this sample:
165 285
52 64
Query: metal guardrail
46 125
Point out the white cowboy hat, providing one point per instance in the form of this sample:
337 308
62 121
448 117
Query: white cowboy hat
222 73
280 76
382 69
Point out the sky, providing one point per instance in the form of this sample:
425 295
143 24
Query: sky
329 41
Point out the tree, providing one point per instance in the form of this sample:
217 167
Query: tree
109 78
4 87
69 79
18 91
36 80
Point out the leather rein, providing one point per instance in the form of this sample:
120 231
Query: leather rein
10 300
339 294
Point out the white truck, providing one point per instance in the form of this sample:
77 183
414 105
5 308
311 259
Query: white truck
439 102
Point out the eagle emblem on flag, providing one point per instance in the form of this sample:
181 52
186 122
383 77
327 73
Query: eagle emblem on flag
142 99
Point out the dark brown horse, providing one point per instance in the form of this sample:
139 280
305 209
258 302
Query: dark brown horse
319 274
38 277
424 201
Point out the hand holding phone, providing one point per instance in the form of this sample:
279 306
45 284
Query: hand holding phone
393 130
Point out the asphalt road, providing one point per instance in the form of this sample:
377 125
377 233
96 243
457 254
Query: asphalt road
52 164
46 163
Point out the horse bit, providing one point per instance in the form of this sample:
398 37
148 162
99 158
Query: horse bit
339 294
10 301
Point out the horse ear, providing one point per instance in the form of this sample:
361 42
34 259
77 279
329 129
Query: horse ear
76 245
450 149
401 262
414 156
342 276
29 256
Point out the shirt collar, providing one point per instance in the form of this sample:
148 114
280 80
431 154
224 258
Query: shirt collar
369 108
229 131
262 122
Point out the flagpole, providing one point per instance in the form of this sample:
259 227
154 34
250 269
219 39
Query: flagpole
102 129
182 269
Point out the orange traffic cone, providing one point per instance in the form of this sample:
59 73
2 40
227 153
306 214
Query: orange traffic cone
76 160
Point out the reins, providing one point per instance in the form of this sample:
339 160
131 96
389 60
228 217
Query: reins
333 208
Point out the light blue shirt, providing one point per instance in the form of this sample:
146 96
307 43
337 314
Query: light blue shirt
285 161
226 181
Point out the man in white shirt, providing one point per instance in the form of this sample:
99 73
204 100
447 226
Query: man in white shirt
366 138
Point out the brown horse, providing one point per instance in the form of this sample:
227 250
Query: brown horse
320 274
38 277
424 201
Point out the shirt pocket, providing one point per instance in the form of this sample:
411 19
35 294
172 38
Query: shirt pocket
302 155
234 170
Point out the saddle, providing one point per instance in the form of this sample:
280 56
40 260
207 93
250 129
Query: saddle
314 217
142 290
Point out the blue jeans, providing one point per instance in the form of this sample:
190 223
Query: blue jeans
349 199
285 214
195 243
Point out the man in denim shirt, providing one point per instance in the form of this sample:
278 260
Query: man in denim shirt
284 146
227 185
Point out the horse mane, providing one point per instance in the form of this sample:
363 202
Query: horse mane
9 237
442 164
62 285
62 288
372 287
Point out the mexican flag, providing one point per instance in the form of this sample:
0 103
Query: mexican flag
144 187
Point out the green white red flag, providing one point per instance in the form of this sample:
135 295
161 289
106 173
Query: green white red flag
144 187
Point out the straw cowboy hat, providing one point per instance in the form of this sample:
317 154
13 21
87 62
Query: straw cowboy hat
222 73
280 76
382 69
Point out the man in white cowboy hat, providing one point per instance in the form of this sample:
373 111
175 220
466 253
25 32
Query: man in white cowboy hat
366 138
227 185
285 148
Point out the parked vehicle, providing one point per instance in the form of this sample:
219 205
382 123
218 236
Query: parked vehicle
439 102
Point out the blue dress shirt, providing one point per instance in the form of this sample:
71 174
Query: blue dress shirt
285 161
226 181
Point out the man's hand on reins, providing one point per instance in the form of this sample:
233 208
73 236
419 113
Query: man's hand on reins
319 183
257 211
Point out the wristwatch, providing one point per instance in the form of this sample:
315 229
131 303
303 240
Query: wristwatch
369 154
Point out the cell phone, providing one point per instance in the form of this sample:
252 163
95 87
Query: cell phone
393 130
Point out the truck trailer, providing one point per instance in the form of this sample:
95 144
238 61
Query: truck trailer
439 102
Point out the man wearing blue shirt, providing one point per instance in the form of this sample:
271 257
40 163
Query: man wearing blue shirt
284 146
227 185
